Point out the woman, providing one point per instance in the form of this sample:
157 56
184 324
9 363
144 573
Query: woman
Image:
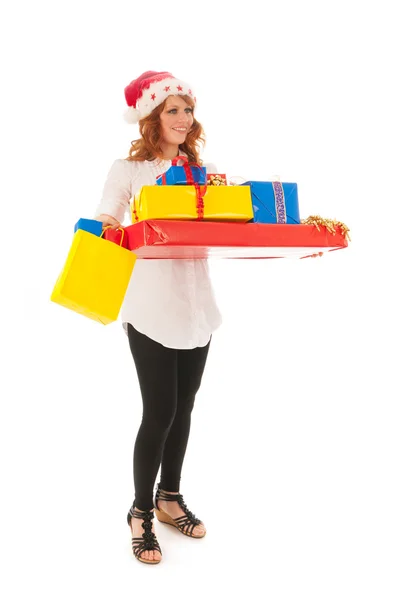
169 311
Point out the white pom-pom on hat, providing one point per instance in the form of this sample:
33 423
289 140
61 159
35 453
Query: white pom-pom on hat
131 115
149 90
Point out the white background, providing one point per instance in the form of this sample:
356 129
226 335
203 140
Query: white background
293 459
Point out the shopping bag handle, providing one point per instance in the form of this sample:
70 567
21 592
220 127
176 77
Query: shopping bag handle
121 228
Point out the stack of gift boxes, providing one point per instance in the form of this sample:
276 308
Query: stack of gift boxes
188 192
99 265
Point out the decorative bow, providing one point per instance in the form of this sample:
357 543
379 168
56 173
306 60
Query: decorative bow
330 224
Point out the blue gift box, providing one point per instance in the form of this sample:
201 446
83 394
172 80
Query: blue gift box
90 225
274 202
177 176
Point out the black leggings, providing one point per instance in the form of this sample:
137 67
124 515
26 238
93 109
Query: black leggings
169 380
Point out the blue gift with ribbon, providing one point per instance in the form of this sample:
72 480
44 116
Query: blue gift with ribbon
274 202
187 174
90 225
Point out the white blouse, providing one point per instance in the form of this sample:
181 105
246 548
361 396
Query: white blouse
169 300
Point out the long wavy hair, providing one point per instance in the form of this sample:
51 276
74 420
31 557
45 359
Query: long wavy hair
148 146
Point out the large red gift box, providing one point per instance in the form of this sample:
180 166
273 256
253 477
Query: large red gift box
206 239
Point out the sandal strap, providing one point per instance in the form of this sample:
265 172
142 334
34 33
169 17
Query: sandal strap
167 496
148 540
190 518
146 515
186 524
139 546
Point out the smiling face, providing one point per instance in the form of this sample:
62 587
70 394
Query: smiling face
176 120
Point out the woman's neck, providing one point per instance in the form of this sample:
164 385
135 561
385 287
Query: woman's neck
170 152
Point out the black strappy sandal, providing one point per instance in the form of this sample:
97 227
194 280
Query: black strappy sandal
185 524
148 540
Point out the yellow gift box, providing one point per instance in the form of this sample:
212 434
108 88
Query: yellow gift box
221 203
95 277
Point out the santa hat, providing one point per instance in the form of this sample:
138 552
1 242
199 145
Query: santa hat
151 89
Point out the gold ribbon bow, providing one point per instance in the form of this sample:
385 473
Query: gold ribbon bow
330 224
216 180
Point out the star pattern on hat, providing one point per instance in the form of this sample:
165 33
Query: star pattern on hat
149 90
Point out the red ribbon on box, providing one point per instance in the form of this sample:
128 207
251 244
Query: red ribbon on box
200 190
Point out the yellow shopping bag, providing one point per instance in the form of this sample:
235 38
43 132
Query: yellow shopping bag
95 277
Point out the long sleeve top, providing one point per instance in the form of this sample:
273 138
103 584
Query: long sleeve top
169 300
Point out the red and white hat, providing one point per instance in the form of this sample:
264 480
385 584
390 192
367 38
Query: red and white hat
151 89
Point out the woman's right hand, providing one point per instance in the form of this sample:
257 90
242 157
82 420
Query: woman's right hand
109 220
